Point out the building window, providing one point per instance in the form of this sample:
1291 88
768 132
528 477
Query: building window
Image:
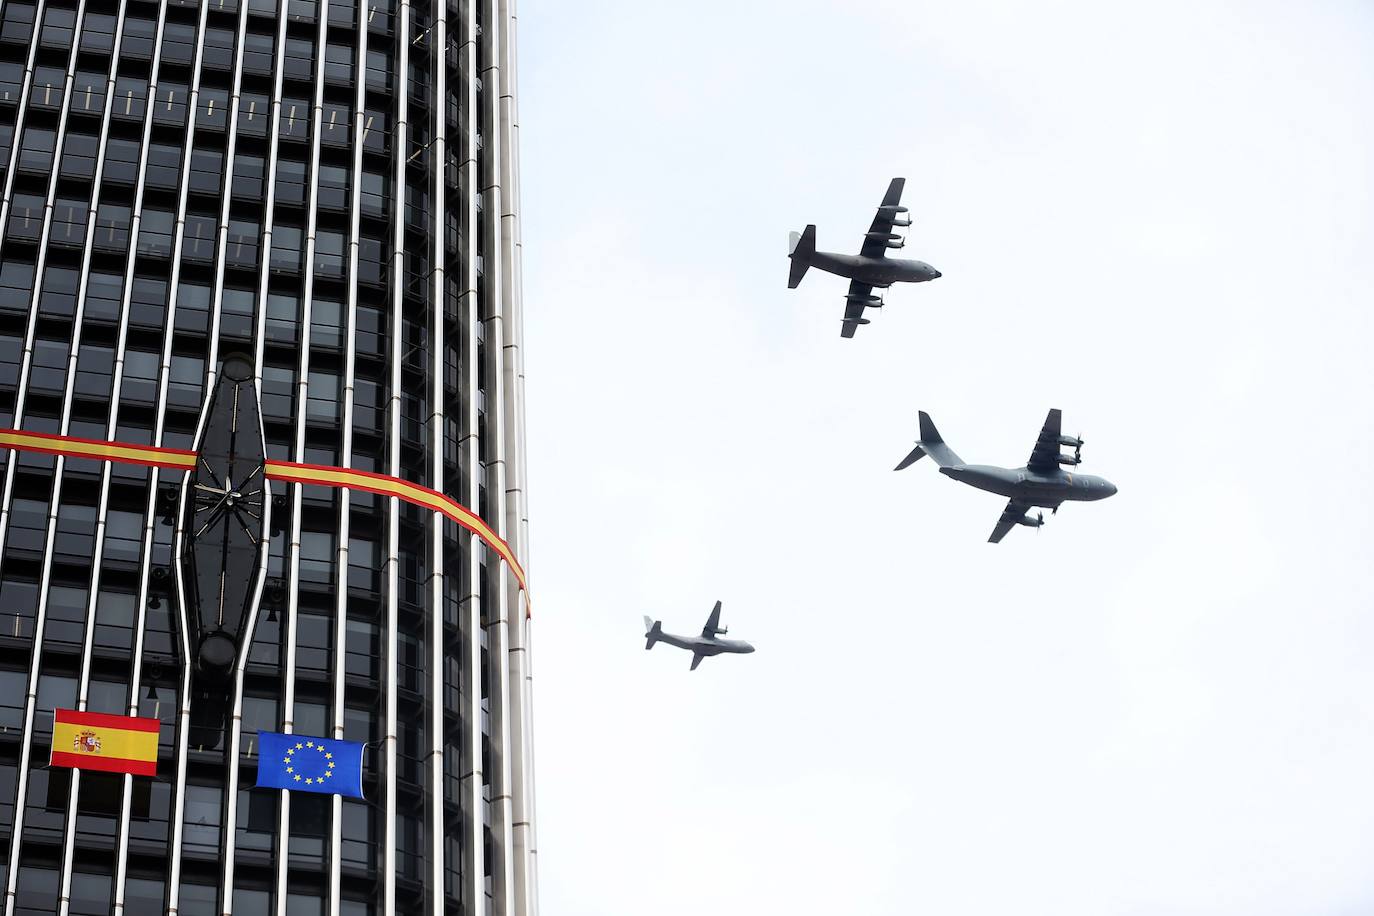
243 243
59 291
69 222
164 165
26 221
329 251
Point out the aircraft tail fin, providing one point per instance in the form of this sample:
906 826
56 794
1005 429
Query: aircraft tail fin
931 443
802 247
652 630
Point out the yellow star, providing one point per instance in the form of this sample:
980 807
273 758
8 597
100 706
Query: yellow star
297 777
308 780
290 769
331 764
290 751
286 760
326 773
299 745
328 756
308 744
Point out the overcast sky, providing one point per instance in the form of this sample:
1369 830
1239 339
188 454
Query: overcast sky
1155 217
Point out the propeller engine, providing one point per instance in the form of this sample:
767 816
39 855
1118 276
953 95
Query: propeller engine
1071 460
1030 522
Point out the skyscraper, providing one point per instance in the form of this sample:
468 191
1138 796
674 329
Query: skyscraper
312 208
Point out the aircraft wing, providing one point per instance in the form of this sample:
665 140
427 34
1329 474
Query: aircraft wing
712 628
1015 509
854 306
889 212
1044 457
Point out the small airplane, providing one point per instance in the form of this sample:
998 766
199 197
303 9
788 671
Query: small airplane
708 643
1042 482
870 268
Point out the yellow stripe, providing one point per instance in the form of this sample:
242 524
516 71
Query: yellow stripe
114 742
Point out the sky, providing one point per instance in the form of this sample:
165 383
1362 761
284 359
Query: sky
1158 219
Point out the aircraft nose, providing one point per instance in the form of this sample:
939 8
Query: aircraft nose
935 274
748 648
1111 488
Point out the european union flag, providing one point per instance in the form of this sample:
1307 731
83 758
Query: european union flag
304 764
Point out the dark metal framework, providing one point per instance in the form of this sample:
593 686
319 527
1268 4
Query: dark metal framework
328 186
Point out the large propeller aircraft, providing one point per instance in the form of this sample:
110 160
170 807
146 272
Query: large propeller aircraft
707 644
1044 481
871 267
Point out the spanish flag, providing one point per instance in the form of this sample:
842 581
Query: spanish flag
98 741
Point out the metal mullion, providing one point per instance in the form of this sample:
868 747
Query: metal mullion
20 111
222 230
293 554
469 457
497 630
517 519
288 650
438 159
346 443
399 145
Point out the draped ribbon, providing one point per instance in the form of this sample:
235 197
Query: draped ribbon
288 471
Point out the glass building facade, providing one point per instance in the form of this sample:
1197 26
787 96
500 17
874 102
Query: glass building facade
329 188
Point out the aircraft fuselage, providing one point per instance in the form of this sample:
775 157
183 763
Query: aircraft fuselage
700 645
880 272
1046 490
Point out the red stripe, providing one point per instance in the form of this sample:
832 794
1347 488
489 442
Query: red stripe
105 720
104 764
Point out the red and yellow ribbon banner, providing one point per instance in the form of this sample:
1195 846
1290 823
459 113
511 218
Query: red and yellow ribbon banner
289 471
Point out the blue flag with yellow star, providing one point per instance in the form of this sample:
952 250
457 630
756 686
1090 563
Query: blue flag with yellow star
305 764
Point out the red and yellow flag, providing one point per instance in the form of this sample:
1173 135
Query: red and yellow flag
98 741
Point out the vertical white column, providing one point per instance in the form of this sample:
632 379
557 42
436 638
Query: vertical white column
516 531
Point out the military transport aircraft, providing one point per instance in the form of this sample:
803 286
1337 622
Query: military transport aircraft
870 268
708 643
1042 482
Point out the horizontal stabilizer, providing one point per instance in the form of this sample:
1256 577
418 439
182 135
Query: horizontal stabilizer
916 455
652 630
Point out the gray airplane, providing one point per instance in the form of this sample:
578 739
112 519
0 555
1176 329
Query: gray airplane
871 268
1042 482
708 643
